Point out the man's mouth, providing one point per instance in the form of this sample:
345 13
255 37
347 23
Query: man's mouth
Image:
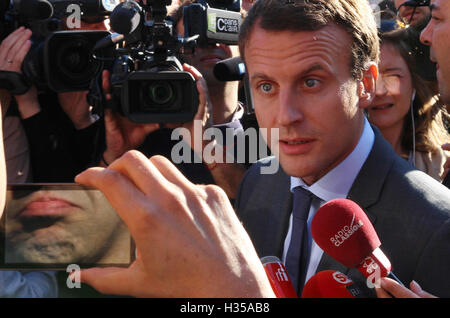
298 142
296 146
47 207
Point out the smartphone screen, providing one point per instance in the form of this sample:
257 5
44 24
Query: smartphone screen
50 226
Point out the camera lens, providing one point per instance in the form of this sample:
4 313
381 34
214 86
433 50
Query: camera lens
68 59
160 93
74 60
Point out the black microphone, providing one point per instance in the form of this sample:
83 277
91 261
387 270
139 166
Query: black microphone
35 9
126 17
109 41
232 69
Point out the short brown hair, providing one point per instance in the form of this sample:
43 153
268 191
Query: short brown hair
355 16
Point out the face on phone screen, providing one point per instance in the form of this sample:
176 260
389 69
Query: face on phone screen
55 225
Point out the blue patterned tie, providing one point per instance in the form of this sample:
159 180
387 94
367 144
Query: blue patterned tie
298 251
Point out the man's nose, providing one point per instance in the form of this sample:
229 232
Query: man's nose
426 34
289 108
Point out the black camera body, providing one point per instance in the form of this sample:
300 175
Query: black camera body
161 92
148 84
58 60
214 21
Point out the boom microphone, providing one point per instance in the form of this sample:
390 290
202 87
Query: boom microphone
342 229
278 277
109 41
232 69
330 284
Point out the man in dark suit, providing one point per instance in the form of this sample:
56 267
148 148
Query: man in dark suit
312 68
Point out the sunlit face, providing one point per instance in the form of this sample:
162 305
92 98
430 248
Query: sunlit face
302 86
394 90
406 12
204 59
61 226
437 35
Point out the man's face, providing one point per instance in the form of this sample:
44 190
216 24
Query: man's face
302 85
205 58
406 12
60 226
437 35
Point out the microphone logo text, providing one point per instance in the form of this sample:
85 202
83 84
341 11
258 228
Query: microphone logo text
281 275
339 238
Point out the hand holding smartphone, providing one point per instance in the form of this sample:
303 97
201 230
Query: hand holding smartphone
49 226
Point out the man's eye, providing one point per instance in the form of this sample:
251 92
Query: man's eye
310 83
266 87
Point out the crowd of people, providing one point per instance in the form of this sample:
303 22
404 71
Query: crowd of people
361 112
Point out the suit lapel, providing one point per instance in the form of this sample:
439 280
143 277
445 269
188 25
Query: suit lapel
277 221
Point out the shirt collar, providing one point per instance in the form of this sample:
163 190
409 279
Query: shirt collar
337 182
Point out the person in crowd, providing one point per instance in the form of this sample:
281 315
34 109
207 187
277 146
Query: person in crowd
59 127
16 151
224 111
405 110
411 15
314 94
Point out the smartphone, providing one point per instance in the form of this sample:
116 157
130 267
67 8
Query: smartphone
51 226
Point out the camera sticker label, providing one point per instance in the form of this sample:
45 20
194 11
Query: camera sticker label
222 24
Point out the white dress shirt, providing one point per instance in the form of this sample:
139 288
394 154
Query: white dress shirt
335 184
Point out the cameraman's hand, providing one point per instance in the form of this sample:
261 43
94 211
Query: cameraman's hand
190 241
75 105
121 134
13 50
203 117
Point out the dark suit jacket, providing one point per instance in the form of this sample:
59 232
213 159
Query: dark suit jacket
409 210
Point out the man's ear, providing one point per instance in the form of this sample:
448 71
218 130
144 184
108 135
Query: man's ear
367 86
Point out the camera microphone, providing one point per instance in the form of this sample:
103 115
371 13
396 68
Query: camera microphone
109 41
35 9
126 17
232 69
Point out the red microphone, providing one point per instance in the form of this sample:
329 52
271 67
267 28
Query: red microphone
342 229
330 284
278 277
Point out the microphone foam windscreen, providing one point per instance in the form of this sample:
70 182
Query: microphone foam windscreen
330 284
232 69
342 229
125 18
